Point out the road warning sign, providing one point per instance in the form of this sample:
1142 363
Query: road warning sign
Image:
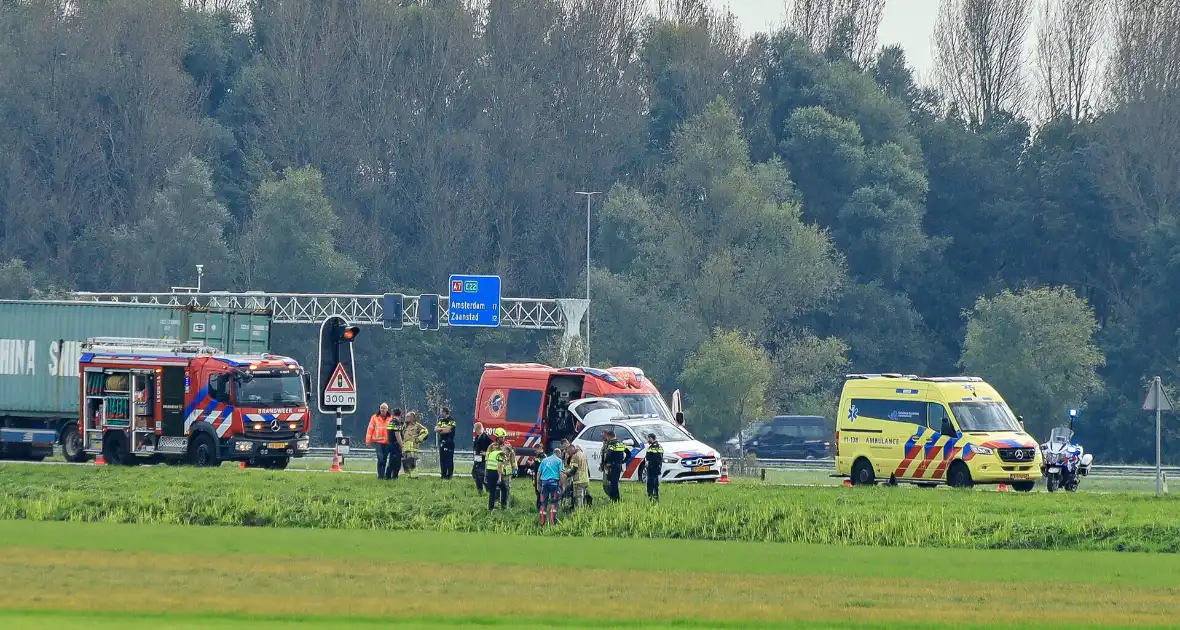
340 390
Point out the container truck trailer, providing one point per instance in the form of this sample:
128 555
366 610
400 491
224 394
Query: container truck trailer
41 350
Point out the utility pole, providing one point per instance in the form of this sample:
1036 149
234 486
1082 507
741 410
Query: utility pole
588 195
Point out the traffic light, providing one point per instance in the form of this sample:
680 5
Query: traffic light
337 339
428 312
391 311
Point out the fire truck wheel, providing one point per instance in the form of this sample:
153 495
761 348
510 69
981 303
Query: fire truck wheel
202 451
115 449
71 445
276 463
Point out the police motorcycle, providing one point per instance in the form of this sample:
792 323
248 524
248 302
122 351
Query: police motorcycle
1064 463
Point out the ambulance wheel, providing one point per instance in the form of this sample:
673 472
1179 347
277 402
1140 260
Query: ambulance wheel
202 451
862 473
71 445
115 449
959 476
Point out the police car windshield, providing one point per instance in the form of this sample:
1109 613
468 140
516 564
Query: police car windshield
664 432
643 405
985 416
268 389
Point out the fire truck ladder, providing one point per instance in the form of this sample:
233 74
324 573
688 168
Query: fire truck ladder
361 309
136 345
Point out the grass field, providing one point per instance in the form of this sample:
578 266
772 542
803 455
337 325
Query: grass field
880 516
65 574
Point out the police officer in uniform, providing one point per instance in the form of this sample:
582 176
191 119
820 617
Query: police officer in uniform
445 430
614 454
483 442
653 465
394 431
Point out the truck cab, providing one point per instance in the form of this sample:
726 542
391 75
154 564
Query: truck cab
165 399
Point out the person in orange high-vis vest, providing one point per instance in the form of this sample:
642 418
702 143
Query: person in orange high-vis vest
378 437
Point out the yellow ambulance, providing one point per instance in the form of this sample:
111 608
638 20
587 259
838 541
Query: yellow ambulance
955 430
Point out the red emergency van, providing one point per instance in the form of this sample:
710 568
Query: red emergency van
531 401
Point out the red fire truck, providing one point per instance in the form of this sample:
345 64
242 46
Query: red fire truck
166 399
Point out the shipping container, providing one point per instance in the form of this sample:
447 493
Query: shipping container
41 344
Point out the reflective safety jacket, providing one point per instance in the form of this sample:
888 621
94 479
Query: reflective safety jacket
655 458
445 440
412 435
493 455
614 453
378 432
579 468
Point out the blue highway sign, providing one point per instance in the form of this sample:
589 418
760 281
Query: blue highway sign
475 301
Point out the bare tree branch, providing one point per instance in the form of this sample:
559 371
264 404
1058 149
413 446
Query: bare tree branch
1067 56
979 54
1145 59
846 28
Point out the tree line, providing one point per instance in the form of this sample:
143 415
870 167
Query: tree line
780 209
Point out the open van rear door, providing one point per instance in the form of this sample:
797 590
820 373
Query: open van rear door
678 407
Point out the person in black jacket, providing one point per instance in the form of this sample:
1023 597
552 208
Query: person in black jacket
445 430
614 456
653 465
478 468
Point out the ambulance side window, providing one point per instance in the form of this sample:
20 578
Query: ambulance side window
939 420
219 387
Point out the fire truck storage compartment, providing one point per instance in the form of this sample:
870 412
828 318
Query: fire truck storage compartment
559 422
41 344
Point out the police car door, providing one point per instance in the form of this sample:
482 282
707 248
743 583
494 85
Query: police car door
590 441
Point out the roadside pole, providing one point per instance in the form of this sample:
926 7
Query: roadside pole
1157 400
1159 468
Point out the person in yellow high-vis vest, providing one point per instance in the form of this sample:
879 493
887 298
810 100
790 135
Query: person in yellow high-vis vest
413 434
498 464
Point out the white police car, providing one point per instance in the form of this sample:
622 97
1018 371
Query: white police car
685 458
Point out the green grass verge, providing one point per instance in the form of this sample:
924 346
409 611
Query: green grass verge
103 575
740 512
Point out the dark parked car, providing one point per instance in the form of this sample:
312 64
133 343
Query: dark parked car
792 437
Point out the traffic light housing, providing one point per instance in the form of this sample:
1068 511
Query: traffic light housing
336 347
391 311
428 312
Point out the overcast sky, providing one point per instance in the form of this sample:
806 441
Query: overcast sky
906 22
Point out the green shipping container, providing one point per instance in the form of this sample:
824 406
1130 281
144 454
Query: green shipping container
41 342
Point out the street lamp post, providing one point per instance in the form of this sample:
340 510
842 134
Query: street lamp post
588 195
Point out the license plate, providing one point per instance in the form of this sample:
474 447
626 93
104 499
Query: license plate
700 469
277 445
1020 476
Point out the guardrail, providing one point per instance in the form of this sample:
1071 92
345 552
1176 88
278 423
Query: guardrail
753 467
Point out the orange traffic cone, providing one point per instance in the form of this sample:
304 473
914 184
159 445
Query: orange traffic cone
724 473
100 460
1002 488
335 463
243 465
847 483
